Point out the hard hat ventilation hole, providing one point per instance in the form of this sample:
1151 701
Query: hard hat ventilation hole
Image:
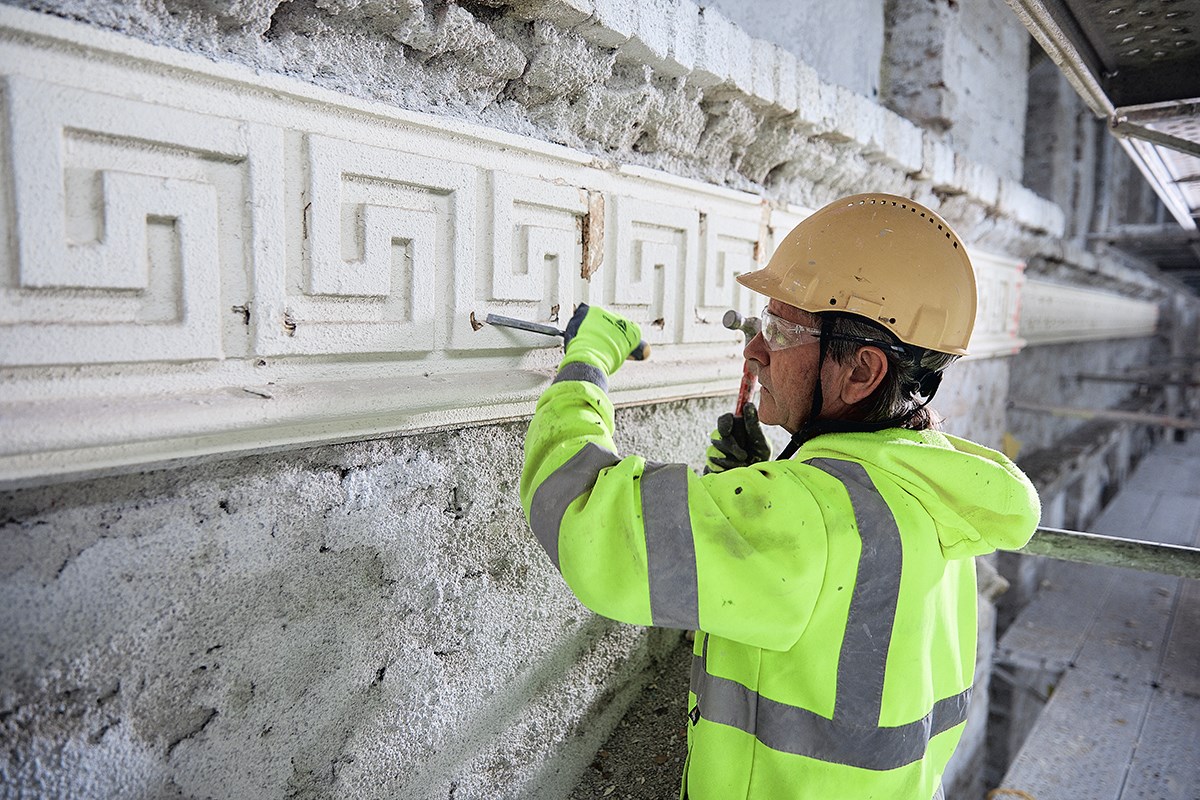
833 301
956 245
892 320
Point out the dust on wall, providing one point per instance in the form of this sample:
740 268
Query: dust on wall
367 620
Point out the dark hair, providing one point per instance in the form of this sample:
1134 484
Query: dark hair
901 393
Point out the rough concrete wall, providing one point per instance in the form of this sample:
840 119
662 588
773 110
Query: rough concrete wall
1046 375
1063 142
366 620
1133 198
959 68
842 41
1072 160
993 52
973 400
563 71
667 85
1050 128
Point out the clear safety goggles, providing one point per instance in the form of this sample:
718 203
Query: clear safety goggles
779 334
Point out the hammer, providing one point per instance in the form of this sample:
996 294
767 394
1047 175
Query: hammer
749 328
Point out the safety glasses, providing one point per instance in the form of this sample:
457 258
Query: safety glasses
779 334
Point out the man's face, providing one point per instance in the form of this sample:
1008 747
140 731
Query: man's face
786 376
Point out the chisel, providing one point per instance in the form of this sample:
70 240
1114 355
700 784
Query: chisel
640 353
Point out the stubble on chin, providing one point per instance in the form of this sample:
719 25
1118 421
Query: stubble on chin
767 410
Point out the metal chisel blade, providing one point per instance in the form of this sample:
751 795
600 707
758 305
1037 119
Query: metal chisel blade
535 327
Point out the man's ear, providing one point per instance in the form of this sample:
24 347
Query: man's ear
867 370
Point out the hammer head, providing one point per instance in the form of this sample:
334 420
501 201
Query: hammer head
736 322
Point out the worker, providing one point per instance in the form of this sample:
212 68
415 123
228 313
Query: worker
833 589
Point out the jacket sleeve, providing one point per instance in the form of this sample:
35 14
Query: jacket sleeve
740 554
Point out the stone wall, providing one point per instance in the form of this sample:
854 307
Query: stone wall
959 69
1050 375
367 620
843 42
359 246
1071 160
665 85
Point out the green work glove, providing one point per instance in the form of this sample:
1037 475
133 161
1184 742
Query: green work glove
737 442
600 338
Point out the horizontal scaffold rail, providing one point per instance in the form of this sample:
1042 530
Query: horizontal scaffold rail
1117 415
1115 551
1141 379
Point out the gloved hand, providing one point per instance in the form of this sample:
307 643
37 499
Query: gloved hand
737 442
600 338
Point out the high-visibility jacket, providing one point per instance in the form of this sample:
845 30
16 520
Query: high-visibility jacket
834 593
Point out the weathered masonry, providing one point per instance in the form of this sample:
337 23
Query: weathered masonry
259 531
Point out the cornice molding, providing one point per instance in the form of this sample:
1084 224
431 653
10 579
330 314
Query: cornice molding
204 260
1053 313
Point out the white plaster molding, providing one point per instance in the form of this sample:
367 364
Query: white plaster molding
112 240
1052 313
999 281
207 260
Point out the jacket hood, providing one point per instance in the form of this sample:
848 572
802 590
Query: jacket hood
979 500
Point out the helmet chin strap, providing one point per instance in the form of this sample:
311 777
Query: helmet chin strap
815 426
809 429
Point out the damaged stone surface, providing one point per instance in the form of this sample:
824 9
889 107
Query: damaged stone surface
365 620
561 65
844 41
668 85
958 70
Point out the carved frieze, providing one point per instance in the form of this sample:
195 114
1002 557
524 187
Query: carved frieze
260 263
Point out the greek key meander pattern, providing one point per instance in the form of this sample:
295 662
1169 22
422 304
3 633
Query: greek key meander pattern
308 267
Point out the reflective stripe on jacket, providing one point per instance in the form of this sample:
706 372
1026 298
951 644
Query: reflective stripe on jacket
835 591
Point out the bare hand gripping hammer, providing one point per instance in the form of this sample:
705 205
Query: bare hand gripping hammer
640 353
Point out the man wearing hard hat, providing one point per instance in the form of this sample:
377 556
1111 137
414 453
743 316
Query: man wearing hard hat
833 589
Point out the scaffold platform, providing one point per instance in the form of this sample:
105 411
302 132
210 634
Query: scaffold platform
1114 655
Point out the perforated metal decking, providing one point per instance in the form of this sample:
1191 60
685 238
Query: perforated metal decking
1120 651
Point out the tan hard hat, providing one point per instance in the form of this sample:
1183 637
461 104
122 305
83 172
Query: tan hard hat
882 257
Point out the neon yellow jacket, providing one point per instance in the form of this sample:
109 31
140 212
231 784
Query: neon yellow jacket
835 591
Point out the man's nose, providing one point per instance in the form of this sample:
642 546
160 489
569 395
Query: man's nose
756 350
